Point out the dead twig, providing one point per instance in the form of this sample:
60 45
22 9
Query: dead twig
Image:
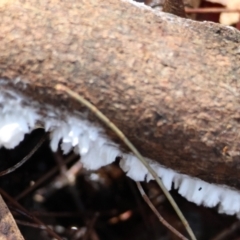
66 178
44 178
103 118
155 211
19 164
211 10
90 226
36 220
206 10
28 224
229 232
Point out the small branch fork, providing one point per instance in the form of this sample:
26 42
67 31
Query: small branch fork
104 119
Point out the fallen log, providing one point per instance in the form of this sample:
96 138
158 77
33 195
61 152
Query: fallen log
170 84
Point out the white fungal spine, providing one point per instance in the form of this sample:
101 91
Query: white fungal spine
96 150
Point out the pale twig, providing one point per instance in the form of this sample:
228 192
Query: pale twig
155 211
212 10
120 134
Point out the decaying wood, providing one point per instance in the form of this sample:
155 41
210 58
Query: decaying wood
170 84
8 227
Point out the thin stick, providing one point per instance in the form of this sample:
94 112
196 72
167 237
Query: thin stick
159 216
90 226
28 224
229 232
44 178
206 10
36 220
212 10
19 164
120 134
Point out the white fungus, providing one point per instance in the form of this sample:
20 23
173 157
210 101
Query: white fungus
75 132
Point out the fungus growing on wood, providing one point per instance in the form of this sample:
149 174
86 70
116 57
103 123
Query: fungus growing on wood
179 110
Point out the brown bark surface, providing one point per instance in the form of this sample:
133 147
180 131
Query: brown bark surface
8 227
175 7
170 84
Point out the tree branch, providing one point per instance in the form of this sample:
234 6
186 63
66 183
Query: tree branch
170 84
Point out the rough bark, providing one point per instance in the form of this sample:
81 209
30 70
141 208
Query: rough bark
170 84
8 227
